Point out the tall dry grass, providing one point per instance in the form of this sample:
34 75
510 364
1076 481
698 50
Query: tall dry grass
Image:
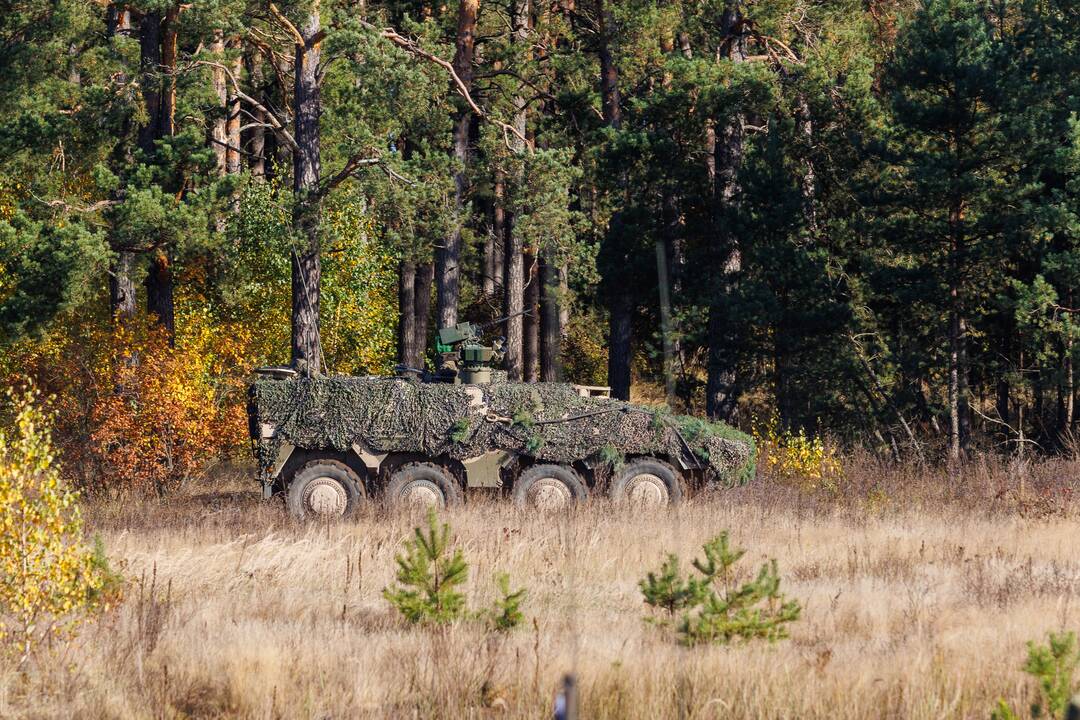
919 588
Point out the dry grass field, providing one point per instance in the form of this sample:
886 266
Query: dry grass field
919 593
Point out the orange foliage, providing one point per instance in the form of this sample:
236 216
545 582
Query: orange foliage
132 413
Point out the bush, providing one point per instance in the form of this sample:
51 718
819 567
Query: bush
49 580
1053 665
135 414
429 576
794 458
710 608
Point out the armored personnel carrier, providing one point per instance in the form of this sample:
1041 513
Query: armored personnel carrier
330 444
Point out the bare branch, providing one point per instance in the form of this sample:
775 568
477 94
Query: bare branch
412 48
99 205
274 121
287 25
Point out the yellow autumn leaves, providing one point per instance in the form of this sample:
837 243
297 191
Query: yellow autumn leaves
49 579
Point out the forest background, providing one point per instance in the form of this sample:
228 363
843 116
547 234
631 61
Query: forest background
846 219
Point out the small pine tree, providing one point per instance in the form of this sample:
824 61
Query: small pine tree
506 614
713 609
428 576
1053 665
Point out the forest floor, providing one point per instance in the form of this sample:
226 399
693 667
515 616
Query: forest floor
919 593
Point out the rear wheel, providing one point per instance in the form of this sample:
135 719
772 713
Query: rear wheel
549 488
324 488
424 485
647 483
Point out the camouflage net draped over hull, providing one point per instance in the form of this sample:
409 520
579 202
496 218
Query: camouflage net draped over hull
548 421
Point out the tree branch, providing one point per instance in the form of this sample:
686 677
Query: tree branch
274 122
287 25
412 48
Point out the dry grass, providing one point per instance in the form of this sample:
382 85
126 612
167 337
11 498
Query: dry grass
919 592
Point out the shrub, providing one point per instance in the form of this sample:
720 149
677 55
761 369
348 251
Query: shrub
710 608
1053 665
429 576
134 413
808 463
49 580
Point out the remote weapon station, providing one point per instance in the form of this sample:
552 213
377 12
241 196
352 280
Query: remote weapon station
329 444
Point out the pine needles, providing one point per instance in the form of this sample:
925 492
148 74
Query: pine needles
710 607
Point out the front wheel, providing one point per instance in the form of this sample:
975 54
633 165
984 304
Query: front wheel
325 489
549 488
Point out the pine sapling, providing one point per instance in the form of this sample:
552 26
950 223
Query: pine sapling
429 575
1053 665
711 607
506 614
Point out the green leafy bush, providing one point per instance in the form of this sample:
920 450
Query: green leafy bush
710 607
1053 665
430 574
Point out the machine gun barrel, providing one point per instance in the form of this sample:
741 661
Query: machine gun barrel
500 321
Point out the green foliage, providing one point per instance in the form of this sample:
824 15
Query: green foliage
506 614
711 607
430 576
459 431
1053 665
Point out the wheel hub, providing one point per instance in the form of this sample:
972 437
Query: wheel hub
326 496
422 494
550 494
647 490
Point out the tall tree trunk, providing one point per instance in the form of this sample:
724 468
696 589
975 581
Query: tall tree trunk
257 142
218 135
448 257
157 50
122 286
498 232
307 213
232 118
513 299
957 383
425 278
530 327
550 322
721 391
514 264
618 290
407 351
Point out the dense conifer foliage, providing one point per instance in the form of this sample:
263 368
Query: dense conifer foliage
861 217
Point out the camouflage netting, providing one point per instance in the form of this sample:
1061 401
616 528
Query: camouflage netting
548 421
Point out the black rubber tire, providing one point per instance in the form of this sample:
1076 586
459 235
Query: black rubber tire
622 484
434 478
526 486
334 474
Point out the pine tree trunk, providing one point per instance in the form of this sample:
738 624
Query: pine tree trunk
425 278
407 352
619 290
306 265
159 293
233 163
550 325
448 257
498 232
122 286
513 299
514 263
257 142
721 391
218 135
530 326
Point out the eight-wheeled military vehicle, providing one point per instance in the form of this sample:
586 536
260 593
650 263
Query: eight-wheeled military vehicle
332 443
